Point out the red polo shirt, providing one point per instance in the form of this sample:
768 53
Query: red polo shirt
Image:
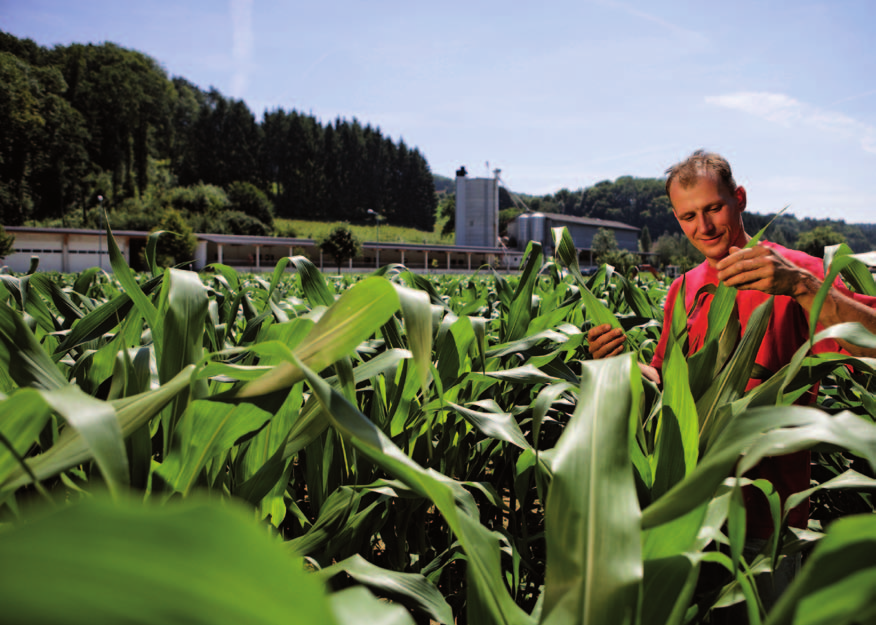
788 329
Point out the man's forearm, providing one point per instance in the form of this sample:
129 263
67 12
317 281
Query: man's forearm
837 308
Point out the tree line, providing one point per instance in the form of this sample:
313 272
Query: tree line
642 202
83 122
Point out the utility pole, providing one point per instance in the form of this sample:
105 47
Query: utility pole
376 216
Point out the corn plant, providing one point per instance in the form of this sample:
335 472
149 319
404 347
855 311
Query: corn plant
227 448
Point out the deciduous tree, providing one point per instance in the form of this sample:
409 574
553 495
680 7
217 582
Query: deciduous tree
341 245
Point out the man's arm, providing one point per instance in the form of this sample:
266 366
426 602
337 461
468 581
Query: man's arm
763 269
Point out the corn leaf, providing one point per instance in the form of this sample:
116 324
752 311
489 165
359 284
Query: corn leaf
409 588
594 557
176 570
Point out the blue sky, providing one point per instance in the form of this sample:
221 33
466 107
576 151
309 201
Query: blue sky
556 94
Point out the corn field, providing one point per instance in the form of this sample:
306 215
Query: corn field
223 448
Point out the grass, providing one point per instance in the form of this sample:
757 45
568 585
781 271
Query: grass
388 234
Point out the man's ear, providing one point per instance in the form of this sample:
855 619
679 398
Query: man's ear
741 198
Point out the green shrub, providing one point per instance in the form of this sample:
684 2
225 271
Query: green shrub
177 244
6 242
249 199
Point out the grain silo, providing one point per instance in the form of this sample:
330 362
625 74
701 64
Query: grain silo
537 228
523 231
477 210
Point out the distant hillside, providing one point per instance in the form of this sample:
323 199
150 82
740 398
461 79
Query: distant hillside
443 184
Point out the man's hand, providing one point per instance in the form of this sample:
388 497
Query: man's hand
605 341
760 268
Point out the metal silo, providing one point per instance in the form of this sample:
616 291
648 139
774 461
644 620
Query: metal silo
523 230
536 227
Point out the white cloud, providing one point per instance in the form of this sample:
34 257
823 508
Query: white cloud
241 45
791 113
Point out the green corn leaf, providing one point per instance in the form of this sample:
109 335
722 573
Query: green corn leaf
520 310
856 272
360 311
837 583
488 599
847 479
312 282
22 417
207 429
102 319
417 313
677 438
126 277
567 255
731 383
594 553
498 425
71 448
357 605
409 588
750 434
22 356
175 570
668 587
98 427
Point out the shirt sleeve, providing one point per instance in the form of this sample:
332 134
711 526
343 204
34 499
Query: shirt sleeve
660 351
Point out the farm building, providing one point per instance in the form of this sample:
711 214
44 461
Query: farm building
537 227
72 250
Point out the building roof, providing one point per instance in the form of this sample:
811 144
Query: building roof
586 221
35 230
237 239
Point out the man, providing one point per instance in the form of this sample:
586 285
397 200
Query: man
708 205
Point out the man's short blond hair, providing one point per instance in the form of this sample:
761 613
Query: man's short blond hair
697 165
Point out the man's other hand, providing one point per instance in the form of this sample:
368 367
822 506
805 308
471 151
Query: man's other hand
605 341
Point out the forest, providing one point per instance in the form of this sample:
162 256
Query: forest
642 202
88 128
89 125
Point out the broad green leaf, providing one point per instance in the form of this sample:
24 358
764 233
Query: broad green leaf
594 553
677 444
126 277
732 381
854 270
488 599
21 355
357 605
520 311
312 282
205 430
417 313
22 417
360 312
750 434
838 582
847 479
405 587
131 563
97 425
102 319
498 425
71 448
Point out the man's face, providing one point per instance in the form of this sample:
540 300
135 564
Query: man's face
710 215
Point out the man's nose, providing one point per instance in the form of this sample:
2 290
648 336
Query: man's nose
705 223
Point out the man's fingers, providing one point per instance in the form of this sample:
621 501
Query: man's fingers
605 344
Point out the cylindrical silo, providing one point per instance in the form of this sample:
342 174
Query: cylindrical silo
536 228
523 230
